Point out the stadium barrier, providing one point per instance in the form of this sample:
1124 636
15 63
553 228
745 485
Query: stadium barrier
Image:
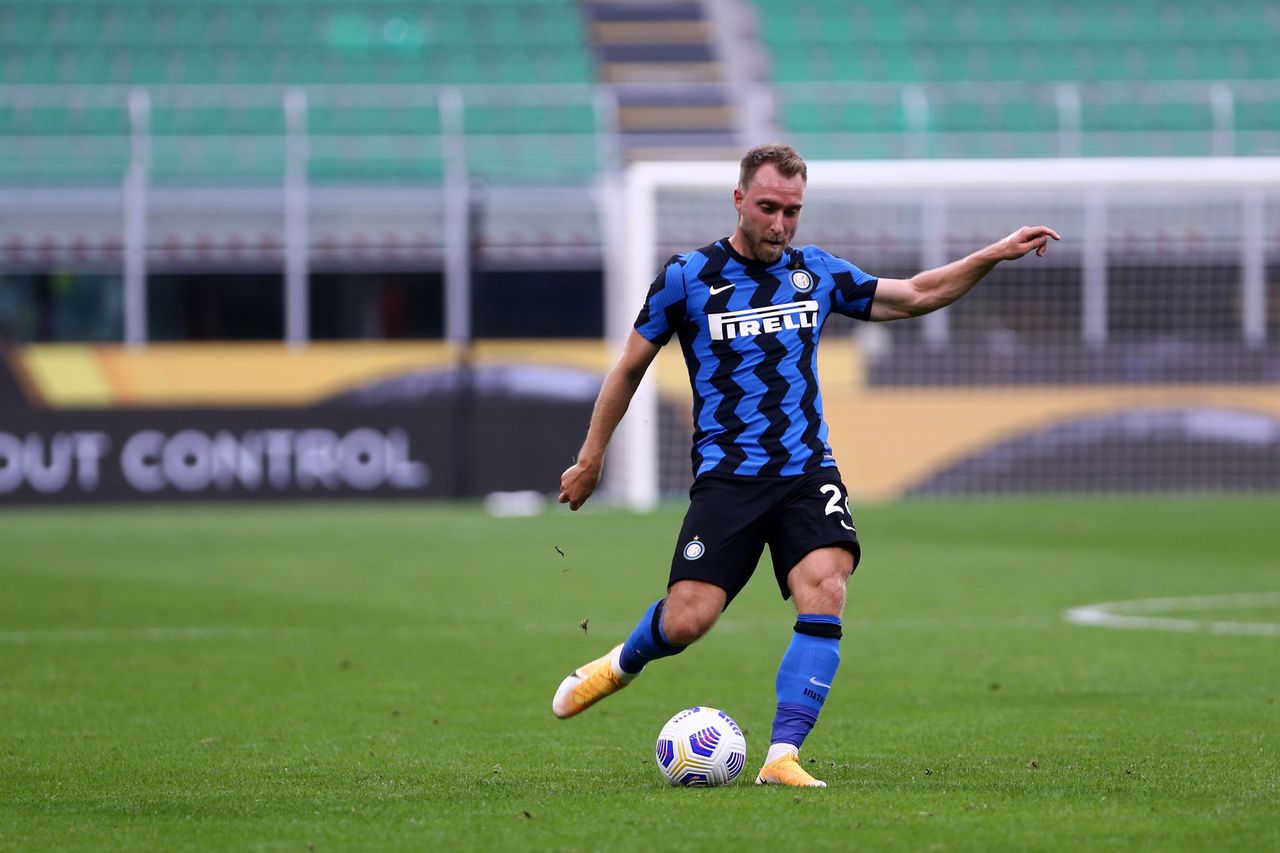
180 423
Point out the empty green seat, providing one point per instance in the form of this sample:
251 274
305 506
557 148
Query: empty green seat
373 120
25 25
1160 62
525 118
139 66
1263 60
63 161
1257 115
966 117
45 119
874 117
217 120
75 24
187 160
1214 62
377 159
844 117
948 63
1148 116
186 24
784 30
531 159
897 64
805 118
887 26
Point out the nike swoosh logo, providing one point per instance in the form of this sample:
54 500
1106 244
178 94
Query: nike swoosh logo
721 289
816 683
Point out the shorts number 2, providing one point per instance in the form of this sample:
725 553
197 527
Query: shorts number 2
833 505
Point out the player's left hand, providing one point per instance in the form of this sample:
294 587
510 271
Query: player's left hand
577 483
1024 240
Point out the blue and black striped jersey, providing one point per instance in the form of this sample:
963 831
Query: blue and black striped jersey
749 332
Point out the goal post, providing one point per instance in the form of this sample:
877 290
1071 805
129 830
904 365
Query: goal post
1156 252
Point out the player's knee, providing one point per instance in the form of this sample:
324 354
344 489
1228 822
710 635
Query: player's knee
691 608
832 589
823 593
818 582
684 625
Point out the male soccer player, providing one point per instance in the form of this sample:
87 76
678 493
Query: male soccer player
748 310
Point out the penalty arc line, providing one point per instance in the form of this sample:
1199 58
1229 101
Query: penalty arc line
1134 614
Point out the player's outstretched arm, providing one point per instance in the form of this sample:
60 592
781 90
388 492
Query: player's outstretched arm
620 383
930 290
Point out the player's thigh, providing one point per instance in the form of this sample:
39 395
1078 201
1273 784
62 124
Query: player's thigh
814 516
722 536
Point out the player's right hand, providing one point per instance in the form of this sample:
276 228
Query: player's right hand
1026 239
577 483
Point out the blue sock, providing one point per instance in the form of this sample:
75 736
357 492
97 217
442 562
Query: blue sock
647 642
805 675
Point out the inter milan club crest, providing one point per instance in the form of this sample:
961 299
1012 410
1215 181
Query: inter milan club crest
694 549
801 281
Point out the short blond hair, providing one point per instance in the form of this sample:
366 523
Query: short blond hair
783 157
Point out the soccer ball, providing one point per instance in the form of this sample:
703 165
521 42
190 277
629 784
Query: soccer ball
701 747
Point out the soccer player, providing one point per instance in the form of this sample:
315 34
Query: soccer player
748 310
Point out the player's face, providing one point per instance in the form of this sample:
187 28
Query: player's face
768 213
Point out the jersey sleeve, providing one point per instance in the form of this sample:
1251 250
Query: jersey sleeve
664 306
854 289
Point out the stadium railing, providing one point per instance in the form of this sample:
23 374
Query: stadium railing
94 169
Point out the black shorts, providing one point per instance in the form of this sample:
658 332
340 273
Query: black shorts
731 519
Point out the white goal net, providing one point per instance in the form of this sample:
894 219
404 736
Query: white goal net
1141 354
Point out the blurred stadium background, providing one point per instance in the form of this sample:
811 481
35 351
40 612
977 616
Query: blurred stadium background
306 248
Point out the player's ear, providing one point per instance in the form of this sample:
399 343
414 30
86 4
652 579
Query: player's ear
738 196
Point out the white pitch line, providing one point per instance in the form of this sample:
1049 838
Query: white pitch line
1121 614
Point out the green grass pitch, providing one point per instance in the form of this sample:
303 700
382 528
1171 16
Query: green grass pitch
379 677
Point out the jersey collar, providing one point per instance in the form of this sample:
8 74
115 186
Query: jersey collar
788 255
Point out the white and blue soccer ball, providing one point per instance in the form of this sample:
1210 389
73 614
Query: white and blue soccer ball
701 747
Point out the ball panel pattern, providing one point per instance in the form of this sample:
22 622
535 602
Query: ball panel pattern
701 747
666 752
704 741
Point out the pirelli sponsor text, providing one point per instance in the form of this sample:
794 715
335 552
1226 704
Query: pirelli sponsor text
767 320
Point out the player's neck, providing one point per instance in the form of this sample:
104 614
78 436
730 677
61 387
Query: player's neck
739 244
741 250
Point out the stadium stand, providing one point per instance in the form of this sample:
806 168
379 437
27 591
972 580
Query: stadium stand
51 46
987 41
873 78
285 41
990 79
